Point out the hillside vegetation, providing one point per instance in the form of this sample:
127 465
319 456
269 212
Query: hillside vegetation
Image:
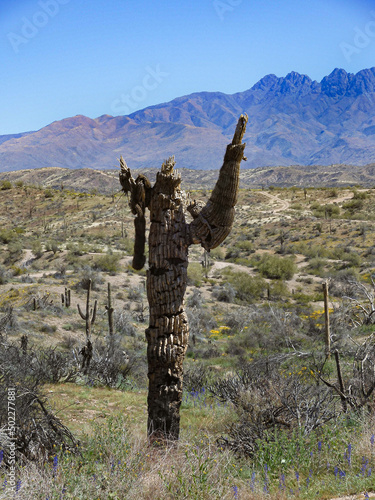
266 414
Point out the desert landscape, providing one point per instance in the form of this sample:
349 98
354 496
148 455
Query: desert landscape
256 311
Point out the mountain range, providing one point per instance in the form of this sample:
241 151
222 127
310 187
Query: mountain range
293 120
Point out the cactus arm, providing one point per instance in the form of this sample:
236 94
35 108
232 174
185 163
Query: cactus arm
140 193
213 223
94 313
83 316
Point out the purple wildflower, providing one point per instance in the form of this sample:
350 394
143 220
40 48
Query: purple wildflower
1 455
348 454
265 489
297 476
252 485
282 482
235 491
18 485
319 446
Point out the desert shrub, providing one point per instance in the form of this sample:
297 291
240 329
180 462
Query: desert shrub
195 299
8 320
127 245
7 235
331 210
218 253
245 245
275 267
136 293
110 365
359 195
52 246
195 273
353 205
267 402
224 293
110 263
5 185
39 432
333 193
317 264
86 274
124 323
48 328
296 206
247 288
197 378
77 249
48 193
36 248
268 327
232 253
200 321
15 249
278 290
4 275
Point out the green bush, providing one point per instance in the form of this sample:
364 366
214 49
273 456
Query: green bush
245 245
333 193
316 265
359 195
353 205
36 248
275 267
296 206
331 210
110 262
5 185
247 288
195 274
7 235
14 251
52 246
278 290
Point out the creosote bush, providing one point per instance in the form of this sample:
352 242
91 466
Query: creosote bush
275 267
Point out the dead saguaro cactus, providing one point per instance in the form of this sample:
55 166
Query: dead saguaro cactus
169 240
89 317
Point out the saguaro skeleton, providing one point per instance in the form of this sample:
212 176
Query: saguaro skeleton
169 240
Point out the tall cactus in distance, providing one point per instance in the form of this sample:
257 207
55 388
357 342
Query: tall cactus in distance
89 317
169 240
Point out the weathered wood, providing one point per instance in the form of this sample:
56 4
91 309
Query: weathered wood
326 320
169 240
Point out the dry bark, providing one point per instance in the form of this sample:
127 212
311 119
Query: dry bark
169 240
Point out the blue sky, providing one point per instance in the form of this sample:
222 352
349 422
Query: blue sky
60 58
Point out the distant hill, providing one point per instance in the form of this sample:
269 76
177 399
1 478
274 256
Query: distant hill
107 181
292 120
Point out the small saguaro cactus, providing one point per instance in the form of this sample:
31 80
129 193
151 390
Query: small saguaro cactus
110 311
169 241
89 317
65 298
